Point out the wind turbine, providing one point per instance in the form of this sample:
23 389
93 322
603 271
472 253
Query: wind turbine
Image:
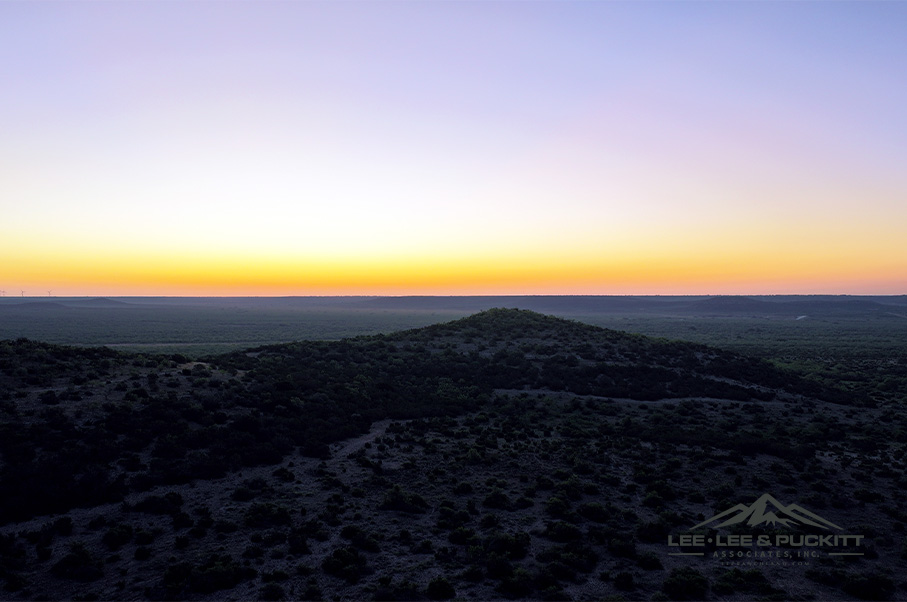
23 293
2 293
50 293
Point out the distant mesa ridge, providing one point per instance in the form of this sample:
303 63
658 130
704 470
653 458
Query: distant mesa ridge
103 302
730 305
65 303
35 305
759 513
778 306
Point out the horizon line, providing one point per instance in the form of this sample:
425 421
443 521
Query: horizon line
484 295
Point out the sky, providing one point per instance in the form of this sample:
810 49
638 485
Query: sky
457 147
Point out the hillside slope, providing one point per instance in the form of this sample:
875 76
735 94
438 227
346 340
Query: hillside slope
507 454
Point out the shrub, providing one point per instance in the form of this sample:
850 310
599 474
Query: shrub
169 503
405 590
516 585
497 500
117 536
284 474
513 547
463 488
63 526
143 537
462 536
359 538
181 520
594 511
403 501
346 563
624 581
649 561
574 556
218 573
562 532
275 575
243 494
267 515
557 507
622 548
869 587
652 532
498 567
271 591
653 500
686 583
78 565
735 580
440 588
298 543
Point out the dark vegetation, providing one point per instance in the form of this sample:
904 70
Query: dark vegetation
511 455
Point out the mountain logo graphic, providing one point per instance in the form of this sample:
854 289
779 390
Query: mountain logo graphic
768 511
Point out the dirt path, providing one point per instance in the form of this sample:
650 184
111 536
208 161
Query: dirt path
339 451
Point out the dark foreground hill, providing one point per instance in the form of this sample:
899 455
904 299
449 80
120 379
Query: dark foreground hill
507 454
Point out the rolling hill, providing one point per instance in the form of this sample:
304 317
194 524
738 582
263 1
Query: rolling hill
505 454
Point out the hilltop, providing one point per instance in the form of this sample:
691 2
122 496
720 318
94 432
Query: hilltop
505 454
768 326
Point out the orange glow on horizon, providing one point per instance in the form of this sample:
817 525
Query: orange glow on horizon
603 273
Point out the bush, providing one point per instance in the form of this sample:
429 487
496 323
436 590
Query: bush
513 547
78 565
624 581
869 587
403 501
261 515
462 536
143 537
346 563
735 580
169 503
440 588
243 494
271 591
574 556
63 526
117 536
557 507
217 573
463 488
685 583
405 590
517 585
649 561
298 543
652 532
562 532
275 575
622 547
284 474
359 538
497 500
594 511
